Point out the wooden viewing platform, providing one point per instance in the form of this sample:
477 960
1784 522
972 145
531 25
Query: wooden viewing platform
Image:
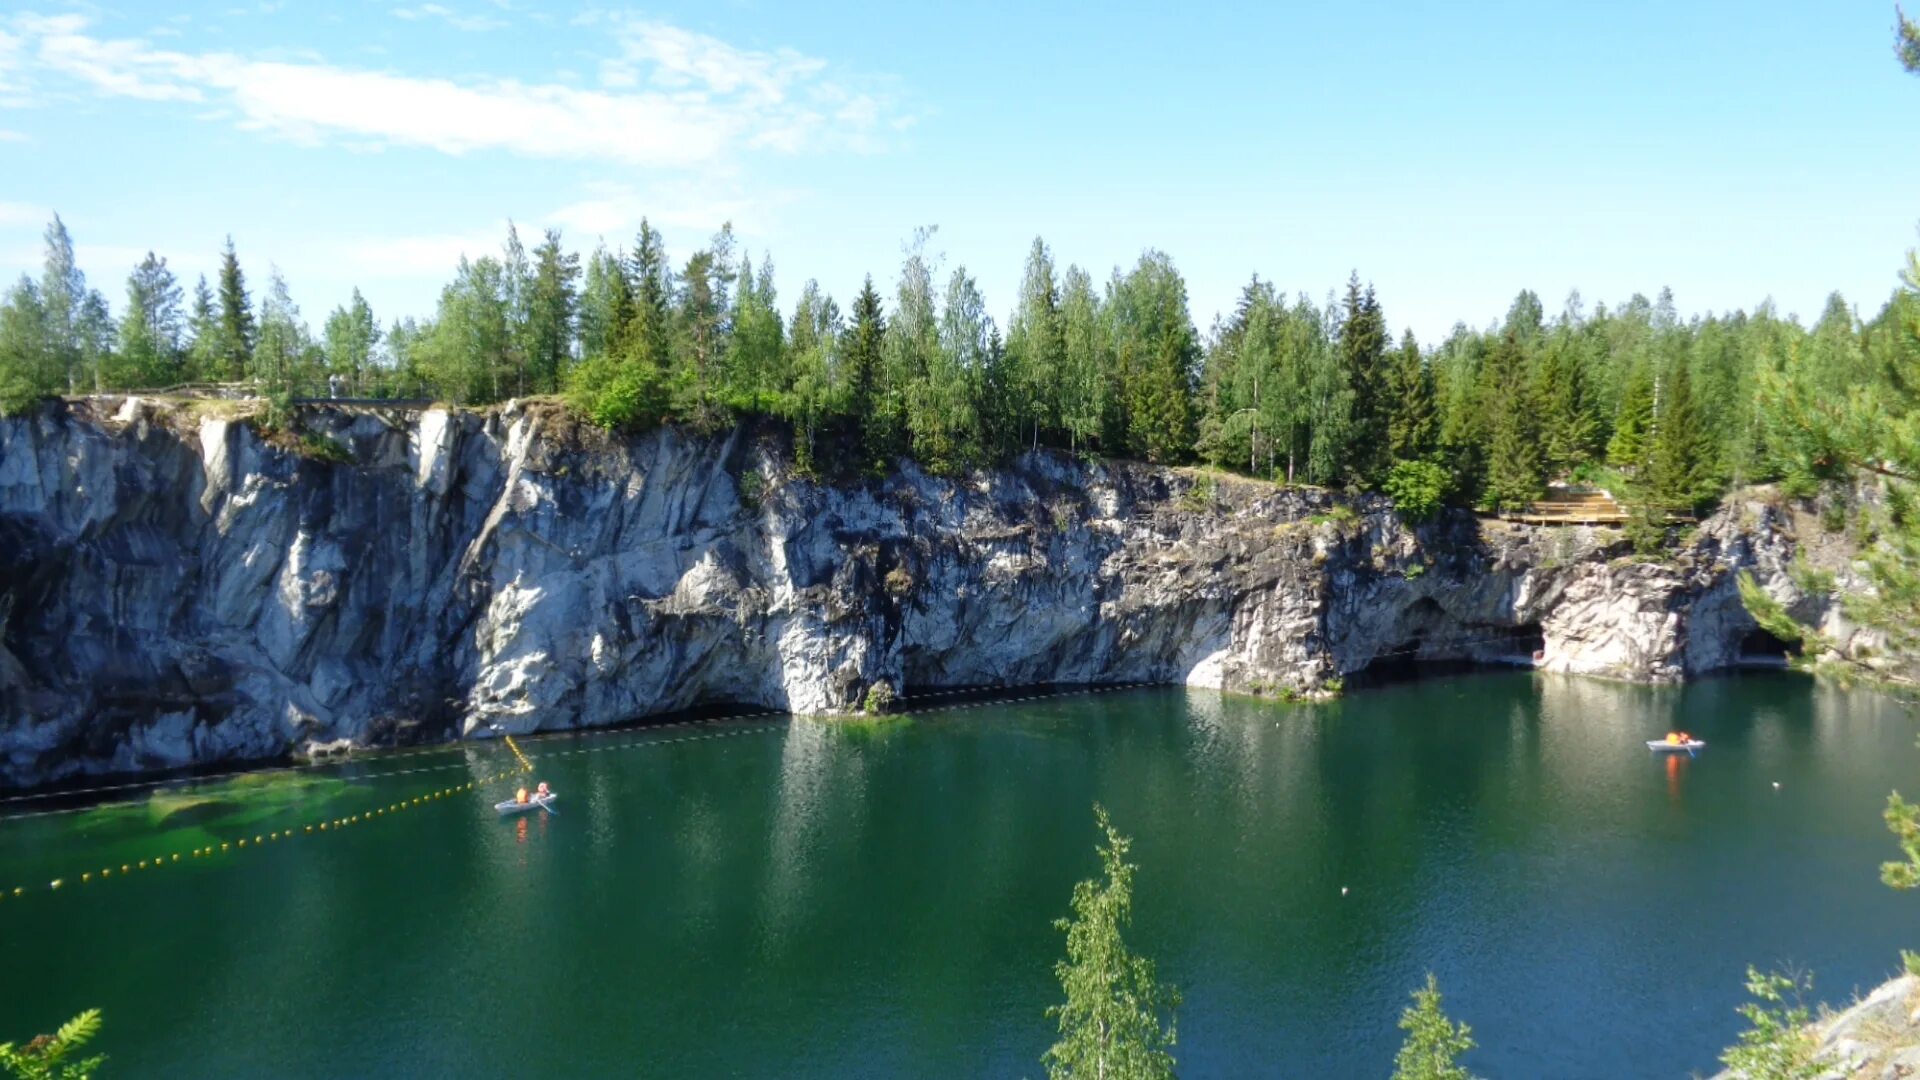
1579 508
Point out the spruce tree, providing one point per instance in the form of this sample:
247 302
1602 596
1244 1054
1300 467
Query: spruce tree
236 318
1633 423
1681 453
1412 414
1434 1043
1111 1024
551 306
863 345
1363 348
1036 345
1567 421
1515 464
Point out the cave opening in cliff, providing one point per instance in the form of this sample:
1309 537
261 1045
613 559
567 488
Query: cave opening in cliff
1450 650
1758 643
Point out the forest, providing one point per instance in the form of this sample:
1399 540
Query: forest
1665 411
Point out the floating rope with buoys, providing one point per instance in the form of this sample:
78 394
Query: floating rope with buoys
259 840
524 765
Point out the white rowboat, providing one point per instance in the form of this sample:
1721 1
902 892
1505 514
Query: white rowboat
1663 746
512 806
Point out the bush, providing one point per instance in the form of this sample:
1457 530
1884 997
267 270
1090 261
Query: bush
1779 1045
613 394
325 448
880 699
1418 489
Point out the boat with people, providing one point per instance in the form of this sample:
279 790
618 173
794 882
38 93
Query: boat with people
1676 742
523 800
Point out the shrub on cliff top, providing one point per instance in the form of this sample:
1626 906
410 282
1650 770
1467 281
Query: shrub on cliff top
1418 489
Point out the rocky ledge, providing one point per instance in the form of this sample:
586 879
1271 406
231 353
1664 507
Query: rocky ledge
176 589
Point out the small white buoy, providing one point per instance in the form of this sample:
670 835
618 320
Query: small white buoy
1776 785
1343 890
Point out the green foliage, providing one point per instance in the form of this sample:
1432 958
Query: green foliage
1434 1043
1284 387
1903 820
1418 489
1111 1023
1779 1045
1906 42
1768 612
880 699
325 448
45 1058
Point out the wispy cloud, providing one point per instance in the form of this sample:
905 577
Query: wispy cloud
19 215
450 17
7 136
669 98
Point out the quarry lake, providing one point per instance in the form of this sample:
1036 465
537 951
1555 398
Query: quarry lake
804 898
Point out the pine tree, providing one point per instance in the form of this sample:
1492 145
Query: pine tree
650 281
756 351
1515 464
280 350
1568 425
864 346
1413 426
1036 345
236 318
1111 1022
1157 351
1633 424
150 355
1681 453
1434 1043
1363 347
203 331
550 312
606 304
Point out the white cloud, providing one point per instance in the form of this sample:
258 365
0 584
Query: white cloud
671 98
450 17
13 136
411 256
19 215
613 211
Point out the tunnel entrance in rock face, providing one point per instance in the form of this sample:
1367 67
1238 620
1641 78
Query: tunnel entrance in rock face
1758 643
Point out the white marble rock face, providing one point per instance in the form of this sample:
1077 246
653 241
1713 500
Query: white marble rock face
178 591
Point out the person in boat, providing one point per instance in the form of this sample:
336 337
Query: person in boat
1675 738
542 792
520 796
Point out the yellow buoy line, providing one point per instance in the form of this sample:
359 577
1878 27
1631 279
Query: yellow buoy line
525 766
259 840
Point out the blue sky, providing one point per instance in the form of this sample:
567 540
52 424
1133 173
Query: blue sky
1732 151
